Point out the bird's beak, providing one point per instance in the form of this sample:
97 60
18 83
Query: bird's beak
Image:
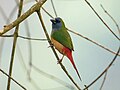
53 21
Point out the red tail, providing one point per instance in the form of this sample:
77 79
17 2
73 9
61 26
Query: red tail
68 53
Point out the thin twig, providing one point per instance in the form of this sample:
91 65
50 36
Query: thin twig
106 69
14 46
93 42
30 38
13 79
54 8
47 13
49 41
102 20
35 7
112 19
103 81
25 37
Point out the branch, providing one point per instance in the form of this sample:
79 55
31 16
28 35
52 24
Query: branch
29 38
34 8
49 41
47 12
112 19
104 70
93 42
13 79
103 81
25 37
54 8
14 45
102 20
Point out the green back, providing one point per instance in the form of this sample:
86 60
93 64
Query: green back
63 37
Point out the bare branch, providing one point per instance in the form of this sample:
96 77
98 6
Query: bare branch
112 19
25 37
30 38
13 79
22 17
102 20
106 69
103 81
47 13
54 8
93 42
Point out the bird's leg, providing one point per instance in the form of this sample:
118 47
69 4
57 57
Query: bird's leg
50 46
59 61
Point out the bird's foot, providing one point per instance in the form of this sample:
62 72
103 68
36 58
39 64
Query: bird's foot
50 46
59 61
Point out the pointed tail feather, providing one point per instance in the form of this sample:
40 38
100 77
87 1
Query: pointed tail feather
69 55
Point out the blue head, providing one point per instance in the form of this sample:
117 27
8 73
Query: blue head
57 23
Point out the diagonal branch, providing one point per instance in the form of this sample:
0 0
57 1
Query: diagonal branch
13 79
112 19
103 80
111 63
54 8
102 20
93 42
34 8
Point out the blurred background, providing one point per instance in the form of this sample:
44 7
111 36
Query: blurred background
90 59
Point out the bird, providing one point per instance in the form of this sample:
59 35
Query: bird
62 41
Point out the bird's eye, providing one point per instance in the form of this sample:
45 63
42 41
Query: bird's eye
57 21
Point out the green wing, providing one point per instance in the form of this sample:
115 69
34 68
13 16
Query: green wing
63 37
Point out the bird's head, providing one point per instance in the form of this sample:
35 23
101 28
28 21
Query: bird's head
57 23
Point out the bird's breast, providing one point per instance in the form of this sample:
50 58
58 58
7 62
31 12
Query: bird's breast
58 45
